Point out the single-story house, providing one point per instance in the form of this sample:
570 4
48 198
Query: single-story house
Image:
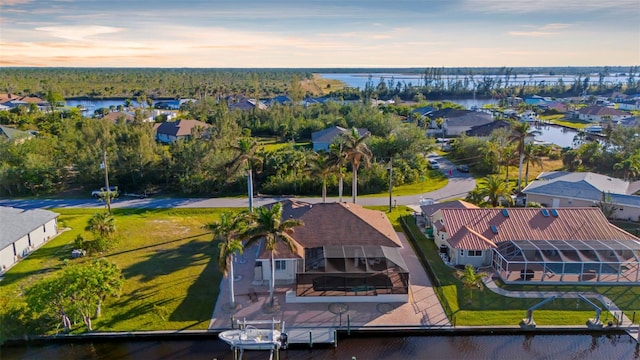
119 116
13 134
344 252
323 138
23 231
633 104
559 189
485 130
598 114
457 122
171 131
246 104
568 245
427 211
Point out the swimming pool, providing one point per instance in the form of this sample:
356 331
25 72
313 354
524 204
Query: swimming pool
576 268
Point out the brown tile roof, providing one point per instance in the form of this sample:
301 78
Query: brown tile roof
114 116
601 111
180 127
6 97
471 228
335 224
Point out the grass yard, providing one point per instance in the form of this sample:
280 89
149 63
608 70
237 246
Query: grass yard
434 181
165 256
489 308
560 119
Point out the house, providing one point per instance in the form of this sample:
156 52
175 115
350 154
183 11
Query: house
632 104
430 209
246 104
457 122
559 189
119 116
22 232
12 101
13 134
344 252
565 245
485 130
280 99
323 138
598 114
168 132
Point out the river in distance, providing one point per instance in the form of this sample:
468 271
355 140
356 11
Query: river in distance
512 347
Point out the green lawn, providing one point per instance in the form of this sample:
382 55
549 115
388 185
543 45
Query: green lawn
560 120
489 308
165 256
433 181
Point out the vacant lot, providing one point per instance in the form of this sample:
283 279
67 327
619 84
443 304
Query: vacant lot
165 255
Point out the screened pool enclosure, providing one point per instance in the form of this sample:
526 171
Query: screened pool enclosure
352 271
575 261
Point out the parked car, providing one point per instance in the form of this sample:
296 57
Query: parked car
433 164
99 194
463 168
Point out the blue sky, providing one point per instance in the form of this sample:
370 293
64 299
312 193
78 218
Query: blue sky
311 33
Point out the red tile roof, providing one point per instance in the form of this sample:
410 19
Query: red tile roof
335 224
471 228
602 111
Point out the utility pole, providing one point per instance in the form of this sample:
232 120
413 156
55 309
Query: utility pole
390 183
106 181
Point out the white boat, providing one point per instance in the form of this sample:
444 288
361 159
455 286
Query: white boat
251 338
593 129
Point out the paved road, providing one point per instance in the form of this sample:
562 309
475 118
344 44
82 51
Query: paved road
459 185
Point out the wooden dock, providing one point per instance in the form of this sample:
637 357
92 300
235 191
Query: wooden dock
311 336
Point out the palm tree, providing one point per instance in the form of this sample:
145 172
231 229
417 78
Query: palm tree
320 166
530 157
356 151
338 161
494 188
246 158
471 279
520 132
227 231
266 223
102 225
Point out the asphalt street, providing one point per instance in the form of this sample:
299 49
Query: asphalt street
458 187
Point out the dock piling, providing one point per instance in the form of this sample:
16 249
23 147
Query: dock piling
310 339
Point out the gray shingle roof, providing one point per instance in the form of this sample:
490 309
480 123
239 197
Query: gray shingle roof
16 223
584 186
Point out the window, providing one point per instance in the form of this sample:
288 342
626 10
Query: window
474 253
281 265
44 228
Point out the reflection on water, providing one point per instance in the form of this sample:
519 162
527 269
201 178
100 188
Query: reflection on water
559 135
510 347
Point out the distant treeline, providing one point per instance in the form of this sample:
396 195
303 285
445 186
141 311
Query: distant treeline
434 83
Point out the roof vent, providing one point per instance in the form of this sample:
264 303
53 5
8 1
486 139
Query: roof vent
545 212
494 229
505 212
554 212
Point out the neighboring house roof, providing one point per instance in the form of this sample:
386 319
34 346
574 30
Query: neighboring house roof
246 104
280 99
179 128
17 223
584 186
473 229
596 110
487 129
8 97
458 121
429 210
423 111
10 133
327 135
334 224
115 116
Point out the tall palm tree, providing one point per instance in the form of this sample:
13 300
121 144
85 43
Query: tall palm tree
338 161
319 165
266 223
520 132
494 188
226 232
471 279
530 157
356 152
246 159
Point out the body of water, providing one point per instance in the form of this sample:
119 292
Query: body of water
494 347
558 135
359 80
95 104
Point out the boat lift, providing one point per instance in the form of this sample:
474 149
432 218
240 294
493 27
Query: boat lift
528 322
594 323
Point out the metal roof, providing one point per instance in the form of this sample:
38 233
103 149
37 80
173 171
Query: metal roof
16 223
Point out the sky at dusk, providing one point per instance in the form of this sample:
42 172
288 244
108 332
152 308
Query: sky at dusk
313 33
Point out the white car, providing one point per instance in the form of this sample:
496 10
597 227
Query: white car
99 194
433 164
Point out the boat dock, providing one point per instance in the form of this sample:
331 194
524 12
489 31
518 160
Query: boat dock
634 332
311 336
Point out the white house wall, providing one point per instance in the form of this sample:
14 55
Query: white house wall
7 259
287 276
27 244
